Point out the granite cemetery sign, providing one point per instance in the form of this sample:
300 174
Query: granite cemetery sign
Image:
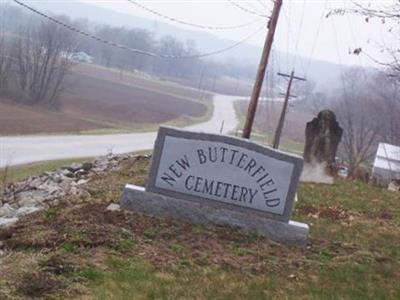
208 178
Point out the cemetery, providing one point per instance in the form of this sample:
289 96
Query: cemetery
237 183
205 216
197 186
79 248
